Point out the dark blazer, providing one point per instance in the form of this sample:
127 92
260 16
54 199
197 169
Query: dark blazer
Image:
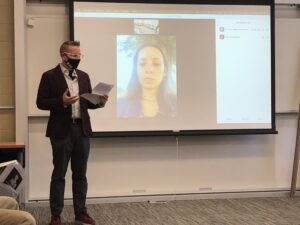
50 97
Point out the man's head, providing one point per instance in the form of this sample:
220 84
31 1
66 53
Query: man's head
70 54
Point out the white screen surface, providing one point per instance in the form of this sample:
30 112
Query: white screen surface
177 67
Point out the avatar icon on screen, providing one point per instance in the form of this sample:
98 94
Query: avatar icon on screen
150 90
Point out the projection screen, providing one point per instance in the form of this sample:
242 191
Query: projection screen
179 68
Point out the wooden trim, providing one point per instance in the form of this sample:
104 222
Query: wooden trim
296 160
7 145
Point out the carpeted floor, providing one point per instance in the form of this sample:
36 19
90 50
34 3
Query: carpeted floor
239 211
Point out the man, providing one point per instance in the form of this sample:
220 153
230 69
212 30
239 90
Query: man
11 215
69 129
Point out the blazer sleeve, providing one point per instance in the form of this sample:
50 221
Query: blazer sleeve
46 100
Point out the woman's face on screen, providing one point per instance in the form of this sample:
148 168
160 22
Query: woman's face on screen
150 67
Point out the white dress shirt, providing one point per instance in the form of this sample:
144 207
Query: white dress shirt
73 89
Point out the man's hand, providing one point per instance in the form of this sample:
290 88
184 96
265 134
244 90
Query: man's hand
103 100
69 100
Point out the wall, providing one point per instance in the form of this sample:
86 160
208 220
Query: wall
169 165
7 98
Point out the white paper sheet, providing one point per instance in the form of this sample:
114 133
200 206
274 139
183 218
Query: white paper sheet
100 90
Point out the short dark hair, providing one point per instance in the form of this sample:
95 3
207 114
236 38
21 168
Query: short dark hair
64 45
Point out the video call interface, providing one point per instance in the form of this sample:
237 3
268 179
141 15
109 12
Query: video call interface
177 67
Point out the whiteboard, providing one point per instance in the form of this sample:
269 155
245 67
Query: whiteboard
44 37
287 53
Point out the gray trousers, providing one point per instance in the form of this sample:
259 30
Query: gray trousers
75 146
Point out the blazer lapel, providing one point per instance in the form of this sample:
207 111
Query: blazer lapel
80 83
60 78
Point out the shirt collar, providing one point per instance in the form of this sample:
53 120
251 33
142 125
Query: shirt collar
65 71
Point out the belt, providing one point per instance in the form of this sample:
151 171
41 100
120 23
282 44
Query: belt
76 120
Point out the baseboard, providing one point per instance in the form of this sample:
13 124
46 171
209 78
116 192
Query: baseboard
163 198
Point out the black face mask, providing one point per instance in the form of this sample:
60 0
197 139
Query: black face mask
72 63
